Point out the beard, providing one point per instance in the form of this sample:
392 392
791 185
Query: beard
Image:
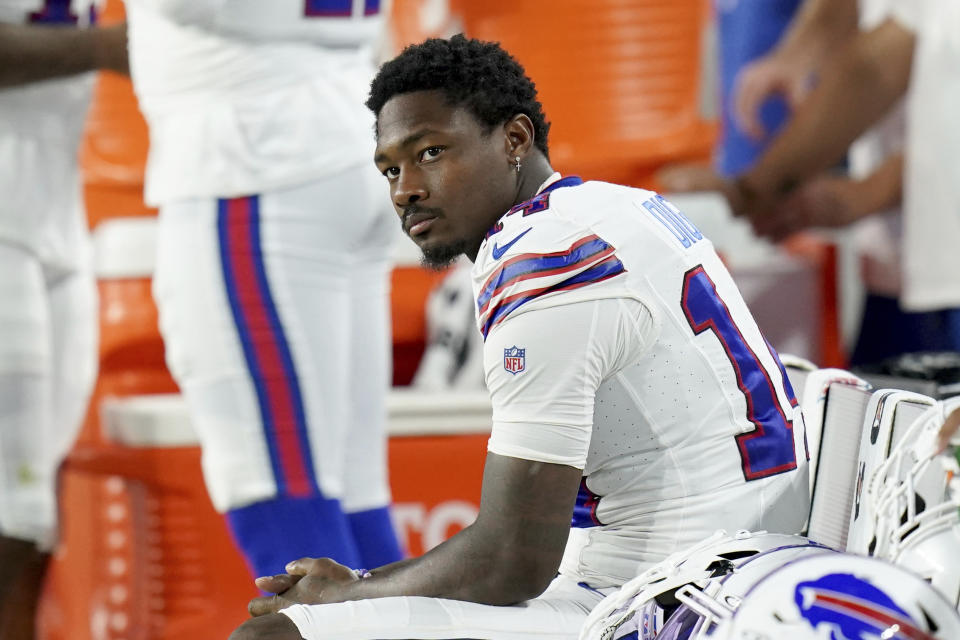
439 258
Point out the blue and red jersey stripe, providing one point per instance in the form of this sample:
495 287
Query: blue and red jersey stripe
585 509
538 265
589 260
599 272
265 346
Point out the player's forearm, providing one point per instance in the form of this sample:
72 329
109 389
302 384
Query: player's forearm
471 566
818 28
871 74
33 53
510 554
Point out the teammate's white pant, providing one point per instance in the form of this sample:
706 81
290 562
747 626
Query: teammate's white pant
274 314
557 614
48 343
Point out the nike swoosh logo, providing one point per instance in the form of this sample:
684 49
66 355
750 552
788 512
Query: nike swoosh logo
499 251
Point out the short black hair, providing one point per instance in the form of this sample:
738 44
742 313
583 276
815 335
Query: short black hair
480 76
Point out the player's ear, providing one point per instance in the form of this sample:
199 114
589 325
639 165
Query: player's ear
518 136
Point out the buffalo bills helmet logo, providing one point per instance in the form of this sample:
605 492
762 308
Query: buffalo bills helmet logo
514 359
853 609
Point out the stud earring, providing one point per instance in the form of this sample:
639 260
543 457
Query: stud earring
518 164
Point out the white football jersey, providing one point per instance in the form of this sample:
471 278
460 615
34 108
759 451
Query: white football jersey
41 125
246 96
617 342
931 190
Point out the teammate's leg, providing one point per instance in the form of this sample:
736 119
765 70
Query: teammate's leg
330 264
366 486
309 231
20 584
366 247
951 323
75 339
72 339
25 381
887 331
233 347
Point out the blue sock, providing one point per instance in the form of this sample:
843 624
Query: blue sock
273 532
377 541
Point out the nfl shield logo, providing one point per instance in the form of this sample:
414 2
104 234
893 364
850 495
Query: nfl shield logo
514 360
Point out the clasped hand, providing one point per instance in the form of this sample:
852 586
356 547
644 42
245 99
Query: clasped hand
822 201
307 581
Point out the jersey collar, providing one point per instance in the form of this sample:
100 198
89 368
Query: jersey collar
555 181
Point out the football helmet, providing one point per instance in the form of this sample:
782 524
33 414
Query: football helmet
817 596
640 607
916 494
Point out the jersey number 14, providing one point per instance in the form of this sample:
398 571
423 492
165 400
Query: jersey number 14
769 448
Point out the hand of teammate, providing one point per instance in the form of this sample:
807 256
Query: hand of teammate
949 428
681 178
699 177
307 581
824 201
774 74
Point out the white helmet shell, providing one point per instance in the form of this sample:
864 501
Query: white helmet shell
838 595
709 602
637 607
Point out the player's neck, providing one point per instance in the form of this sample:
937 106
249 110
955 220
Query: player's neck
533 173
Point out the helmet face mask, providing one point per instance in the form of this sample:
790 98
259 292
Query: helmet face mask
713 603
644 603
917 504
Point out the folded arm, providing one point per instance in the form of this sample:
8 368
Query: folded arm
509 554
819 28
854 93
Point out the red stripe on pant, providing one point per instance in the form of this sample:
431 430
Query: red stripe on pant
274 381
